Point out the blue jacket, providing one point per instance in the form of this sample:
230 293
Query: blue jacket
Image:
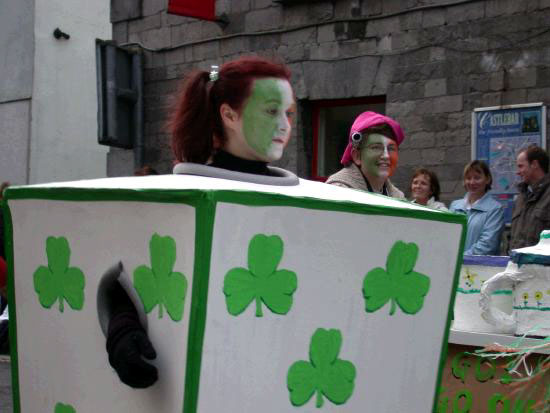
485 225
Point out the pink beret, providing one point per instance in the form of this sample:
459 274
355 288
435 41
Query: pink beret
366 120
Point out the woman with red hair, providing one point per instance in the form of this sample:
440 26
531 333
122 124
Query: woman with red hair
237 119
230 124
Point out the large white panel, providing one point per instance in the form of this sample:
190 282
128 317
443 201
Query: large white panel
61 355
246 358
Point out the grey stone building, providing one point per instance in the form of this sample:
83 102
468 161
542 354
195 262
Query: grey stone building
426 63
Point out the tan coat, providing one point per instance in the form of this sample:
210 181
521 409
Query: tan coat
351 177
531 214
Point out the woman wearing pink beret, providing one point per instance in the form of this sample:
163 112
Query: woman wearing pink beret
371 155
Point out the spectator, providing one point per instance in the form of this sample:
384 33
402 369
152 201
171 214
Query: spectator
531 212
425 189
485 215
371 155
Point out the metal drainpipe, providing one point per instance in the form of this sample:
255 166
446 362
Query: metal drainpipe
137 86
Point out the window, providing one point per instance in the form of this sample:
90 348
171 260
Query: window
332 120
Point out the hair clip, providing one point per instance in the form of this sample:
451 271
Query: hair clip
214 73
356 139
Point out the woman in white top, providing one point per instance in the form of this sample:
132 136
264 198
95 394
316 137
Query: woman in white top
425 189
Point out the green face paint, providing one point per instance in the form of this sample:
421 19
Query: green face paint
266 118
379 156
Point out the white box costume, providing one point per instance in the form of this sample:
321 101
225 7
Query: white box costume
257 297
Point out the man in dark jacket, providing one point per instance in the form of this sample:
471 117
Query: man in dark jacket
532 208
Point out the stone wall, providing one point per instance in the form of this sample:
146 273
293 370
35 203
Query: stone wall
435 61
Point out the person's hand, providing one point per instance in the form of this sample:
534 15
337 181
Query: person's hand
127 350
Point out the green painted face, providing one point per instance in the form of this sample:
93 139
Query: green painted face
267 116
379 156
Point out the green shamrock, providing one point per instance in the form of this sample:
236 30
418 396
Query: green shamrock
262 281
58 280
326 374
64 408
159 284
398 283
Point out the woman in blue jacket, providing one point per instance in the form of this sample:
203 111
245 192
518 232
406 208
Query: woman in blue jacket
485 215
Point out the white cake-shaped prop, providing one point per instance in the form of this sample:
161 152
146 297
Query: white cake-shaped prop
528 271
256 297
476 269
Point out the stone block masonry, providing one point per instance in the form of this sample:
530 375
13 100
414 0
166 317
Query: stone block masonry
433 61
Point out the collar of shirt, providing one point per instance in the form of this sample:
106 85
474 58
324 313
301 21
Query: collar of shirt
482 204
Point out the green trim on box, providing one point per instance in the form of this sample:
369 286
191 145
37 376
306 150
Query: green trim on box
444 345
517 307
169 196
204 233
8 245
268 199
205 202
250 198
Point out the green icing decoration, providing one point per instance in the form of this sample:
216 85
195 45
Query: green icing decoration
477 291
64 408
398 283
442 402
58 280
497 399
517 307
465 395
325 374
159 285
481 375
459 366
261 281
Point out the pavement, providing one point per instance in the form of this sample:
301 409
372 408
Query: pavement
6 405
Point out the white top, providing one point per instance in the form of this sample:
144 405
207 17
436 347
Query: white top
305 188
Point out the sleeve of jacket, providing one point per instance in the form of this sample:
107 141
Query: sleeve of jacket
489 239
338 183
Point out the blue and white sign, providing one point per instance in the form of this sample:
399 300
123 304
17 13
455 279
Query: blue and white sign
498 134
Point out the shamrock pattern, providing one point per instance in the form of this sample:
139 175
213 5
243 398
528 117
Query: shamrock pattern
64 408
58 281
160 285
261 282
325 374
398 283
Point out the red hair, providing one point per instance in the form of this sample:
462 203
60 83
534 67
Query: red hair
196 119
